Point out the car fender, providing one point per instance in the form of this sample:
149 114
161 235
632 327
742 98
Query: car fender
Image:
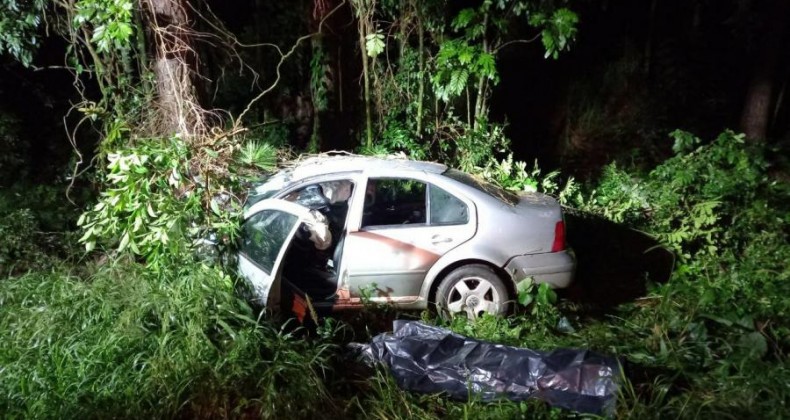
470 251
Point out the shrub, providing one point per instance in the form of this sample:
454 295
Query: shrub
716 206
18 248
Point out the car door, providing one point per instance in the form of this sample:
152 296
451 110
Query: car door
400 235
267 231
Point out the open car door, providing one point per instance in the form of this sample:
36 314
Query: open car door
268 229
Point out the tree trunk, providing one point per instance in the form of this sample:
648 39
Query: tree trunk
481 84
366 81
179 112
757 105
421 63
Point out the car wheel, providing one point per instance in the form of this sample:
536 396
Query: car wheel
473 290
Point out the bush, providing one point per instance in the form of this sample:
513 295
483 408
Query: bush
720 326
18 250
719 210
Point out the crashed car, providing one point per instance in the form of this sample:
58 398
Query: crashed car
342 231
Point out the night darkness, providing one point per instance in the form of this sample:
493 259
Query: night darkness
687 65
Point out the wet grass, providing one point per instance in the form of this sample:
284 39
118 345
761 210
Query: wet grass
117 341
121 342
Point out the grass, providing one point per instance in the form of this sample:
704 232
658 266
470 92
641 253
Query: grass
118 341
121 342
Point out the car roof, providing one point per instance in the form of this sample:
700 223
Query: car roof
333 163
328 164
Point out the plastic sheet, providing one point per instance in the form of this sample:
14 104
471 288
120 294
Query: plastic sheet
430 359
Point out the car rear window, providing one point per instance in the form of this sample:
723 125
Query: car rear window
492 190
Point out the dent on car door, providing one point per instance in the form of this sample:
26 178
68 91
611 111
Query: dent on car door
265 235
406 226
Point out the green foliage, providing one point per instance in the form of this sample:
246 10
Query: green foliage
374 44
541 296
126 343
718 208
698 201
457 62
17 246
559 30
515 176
476 146
148 204
318 82
36 228
262 156
618 196
156 205
19 28
111 22
714 339
398 138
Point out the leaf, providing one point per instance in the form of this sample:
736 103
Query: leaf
87 235
374 44
524 291
755 342
465 56
151 211
124 31
458 80
487 65
463 19
525 298
215 207
124 242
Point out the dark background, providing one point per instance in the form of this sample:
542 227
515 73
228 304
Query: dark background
638 70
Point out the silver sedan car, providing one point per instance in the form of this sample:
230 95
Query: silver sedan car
399 232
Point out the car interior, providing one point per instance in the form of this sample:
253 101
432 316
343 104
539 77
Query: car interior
307 270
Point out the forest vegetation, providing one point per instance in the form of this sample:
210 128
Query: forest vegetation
130 129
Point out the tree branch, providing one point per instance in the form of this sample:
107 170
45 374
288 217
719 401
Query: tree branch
284 57
516 41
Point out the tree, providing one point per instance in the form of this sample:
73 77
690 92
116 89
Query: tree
756 114
19 27
174 62
482 33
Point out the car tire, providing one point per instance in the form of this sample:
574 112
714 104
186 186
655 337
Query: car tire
472 290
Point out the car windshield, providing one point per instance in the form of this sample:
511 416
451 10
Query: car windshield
499 193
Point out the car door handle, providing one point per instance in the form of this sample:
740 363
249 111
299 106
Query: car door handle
438 239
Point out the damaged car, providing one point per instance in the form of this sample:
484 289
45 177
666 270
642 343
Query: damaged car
341 231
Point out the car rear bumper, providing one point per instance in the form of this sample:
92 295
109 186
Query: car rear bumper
554 268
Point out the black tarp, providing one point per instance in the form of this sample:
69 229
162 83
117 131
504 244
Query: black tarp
430 359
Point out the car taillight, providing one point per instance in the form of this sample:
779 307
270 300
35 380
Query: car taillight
559 237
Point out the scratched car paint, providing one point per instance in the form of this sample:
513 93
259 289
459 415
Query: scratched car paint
400 232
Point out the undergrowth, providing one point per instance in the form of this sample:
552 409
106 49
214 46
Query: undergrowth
123 342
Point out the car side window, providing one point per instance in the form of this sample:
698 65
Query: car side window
263 235
331 198
446 209
394 201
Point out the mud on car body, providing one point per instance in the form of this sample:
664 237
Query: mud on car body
400 232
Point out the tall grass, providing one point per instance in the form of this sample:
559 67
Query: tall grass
123 342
